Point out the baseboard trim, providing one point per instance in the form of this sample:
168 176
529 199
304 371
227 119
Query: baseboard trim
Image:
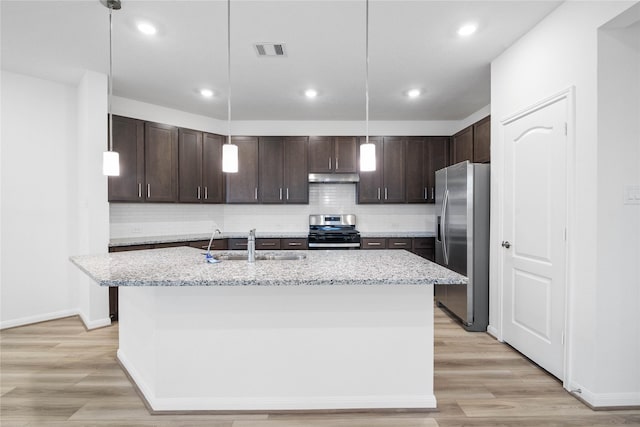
95 324
219 406
491 330
606 401
14 323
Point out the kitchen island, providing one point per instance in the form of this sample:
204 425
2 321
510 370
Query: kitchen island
334 330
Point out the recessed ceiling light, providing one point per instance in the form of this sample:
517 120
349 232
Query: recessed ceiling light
467 29
147 28
310 93
414 93
207 93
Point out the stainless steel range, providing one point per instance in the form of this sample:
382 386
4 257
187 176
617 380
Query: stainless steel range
333 232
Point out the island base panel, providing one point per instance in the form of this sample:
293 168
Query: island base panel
279 348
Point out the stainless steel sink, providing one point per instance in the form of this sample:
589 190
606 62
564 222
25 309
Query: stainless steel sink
285 256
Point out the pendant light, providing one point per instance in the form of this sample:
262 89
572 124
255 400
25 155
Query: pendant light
110 158
368 149
229 150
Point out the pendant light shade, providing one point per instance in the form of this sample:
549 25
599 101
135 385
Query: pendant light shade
230 158
111 159
229 150
110 163
367 150
367 157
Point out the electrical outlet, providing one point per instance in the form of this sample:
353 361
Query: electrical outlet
632 195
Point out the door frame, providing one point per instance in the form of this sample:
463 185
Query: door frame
496 329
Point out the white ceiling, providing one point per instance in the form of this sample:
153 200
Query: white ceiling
411 44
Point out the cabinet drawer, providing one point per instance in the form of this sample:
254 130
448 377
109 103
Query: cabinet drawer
267 244
237 244
216 245
424 242
129 248
293 244
373 243
399 243
169 245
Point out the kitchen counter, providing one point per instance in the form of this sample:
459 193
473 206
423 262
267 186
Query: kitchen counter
338 330
185 266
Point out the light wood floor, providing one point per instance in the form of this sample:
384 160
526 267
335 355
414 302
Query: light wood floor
57 374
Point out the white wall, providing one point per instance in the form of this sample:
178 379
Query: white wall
618 284
561 52
53 198
38 133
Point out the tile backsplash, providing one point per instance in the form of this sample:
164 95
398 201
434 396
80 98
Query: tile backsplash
156 219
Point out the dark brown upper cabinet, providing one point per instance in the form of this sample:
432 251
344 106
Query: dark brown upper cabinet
462 146
472 143
425 155
482 141
200 167
242 186
161 162
387 183
283 170
332 154
128 141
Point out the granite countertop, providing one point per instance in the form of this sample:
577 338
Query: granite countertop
150 240
185 266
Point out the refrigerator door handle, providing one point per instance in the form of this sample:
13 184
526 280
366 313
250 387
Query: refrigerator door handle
443 223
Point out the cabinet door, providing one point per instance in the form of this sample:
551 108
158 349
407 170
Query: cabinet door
161 162
267 244
482 141
320 154
345 157
415 167
128 141
293 244
393 170
296 172
462 146
271 167
370 185
189 166
436 156
212 175
242 186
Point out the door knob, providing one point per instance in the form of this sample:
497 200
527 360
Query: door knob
506 244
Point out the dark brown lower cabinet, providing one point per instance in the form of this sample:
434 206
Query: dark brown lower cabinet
421 246
425 247
293 244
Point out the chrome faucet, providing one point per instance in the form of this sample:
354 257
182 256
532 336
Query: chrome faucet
251 246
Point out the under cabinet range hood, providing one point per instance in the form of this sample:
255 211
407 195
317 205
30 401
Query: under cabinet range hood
334 178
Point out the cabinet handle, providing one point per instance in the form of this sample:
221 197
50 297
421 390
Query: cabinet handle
280 193
337 167
206 193
198 192
374 244
242 244
295 244
378 193
433 193
148 191
287 193
255 193
385 193
139 190
399 244
329 163
425 194
267 244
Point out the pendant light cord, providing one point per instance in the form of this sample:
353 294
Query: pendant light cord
366 84
229 71
110 79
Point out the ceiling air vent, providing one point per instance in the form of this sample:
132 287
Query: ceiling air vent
270 49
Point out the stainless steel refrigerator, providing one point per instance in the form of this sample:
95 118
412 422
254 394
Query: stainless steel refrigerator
462 241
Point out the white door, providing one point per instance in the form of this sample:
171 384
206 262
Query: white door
534 214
